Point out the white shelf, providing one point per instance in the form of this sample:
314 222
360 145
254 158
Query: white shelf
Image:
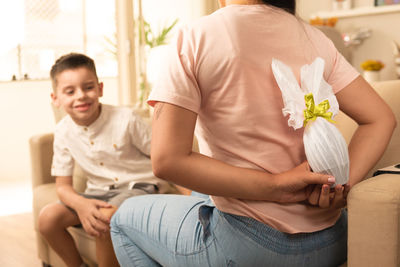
360 11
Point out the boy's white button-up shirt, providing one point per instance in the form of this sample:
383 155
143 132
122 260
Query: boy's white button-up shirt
113 151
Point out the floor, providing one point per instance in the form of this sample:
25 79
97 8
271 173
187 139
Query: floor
17 242
17 237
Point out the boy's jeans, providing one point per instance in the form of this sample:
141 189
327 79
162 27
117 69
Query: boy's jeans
175 230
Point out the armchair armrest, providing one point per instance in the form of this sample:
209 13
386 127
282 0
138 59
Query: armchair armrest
374 227
41 150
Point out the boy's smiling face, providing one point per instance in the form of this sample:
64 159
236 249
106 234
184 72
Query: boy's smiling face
77 92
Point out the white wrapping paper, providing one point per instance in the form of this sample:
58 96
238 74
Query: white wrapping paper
324 145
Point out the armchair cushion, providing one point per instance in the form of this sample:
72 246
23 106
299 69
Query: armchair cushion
43 195
374 228
41 152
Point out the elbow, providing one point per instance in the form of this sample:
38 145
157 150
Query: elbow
58 191
61 188
394 125
169 166
392 121
158 170
161 165
386 121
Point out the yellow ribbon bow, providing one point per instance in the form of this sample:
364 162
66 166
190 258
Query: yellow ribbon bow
312 111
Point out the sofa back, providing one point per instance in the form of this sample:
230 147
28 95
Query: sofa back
390 92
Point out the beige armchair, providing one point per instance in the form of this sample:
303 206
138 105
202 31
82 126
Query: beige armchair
44 192
374 204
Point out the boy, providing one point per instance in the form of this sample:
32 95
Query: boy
111 145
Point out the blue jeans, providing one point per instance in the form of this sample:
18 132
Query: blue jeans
175 230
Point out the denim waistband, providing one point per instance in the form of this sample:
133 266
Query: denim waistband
285 243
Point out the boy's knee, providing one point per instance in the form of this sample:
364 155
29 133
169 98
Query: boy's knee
114 222
49 218
44 219
108 212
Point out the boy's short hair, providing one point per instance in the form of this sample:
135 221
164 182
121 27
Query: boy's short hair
71 61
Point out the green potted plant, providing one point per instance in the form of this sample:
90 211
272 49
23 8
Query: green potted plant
149 40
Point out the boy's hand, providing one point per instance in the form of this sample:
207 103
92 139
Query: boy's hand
93 221
323 197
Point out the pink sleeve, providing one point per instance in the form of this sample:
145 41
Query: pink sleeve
176 83
342 74
338 71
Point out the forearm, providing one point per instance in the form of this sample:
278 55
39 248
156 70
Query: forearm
66 193
173 160
376 124
210 176
367 146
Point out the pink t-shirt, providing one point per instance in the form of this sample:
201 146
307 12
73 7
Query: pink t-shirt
220 68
